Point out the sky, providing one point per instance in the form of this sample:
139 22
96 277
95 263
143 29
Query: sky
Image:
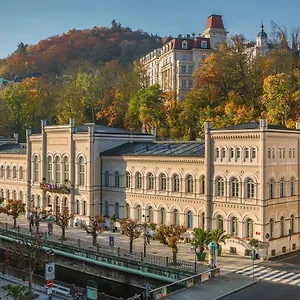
30 21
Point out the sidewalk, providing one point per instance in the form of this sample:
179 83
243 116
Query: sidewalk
215 288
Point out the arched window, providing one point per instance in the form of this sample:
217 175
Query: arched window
66 169
117 210
7 172
250 188
220 222
282 226
14 195
292 187
150 213
39 202
81 171
162 182
189 219
106 209
220 186
50 166
2 193
282 186
249 228
271 189
65 202
49 201
150 181
138 180
128 180
77 207
234 187
175 217
176 184
57 170
127 211
203 220
138 212
162 216
202 185
20 196
36 169
84 208
2 172
292 224
234 226
189 184
20 173
14 172
271 223
253 153
217 153
117 179
231 154
106 178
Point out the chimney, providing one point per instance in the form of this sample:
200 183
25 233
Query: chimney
179 36
263 123
43 123
188 36
207 127
16 137
298 125
153 132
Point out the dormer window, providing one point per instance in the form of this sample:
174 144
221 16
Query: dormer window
184 45
204 44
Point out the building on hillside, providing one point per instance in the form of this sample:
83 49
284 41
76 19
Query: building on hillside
172 65
243 179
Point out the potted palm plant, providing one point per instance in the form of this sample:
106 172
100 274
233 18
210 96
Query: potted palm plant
200 241
219 236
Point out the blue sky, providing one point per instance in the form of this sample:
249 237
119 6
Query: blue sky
30 21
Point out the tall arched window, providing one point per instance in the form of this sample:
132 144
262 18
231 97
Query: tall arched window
234 187
249 228
292 187
2 193
127 211
138 180
189 184
176 183
162 182
14 195
106 209
49 201
57 170
150 213
162 216
271 224
250 188
271 189
50 166
150 181
175 217
202 185
2 172
292 224
84 208
66 169
234 226
81 171
7 172
189 219
220 186
14 172
203 220
282 186
36 169
138 212
282 226
128 180
106 178
77 207
39 202
20 196
220 222
117 210
117 179
21 173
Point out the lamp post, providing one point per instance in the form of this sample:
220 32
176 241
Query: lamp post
145 231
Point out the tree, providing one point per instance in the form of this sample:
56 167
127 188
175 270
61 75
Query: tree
36 218
218 235
132 230
32 255
17 292
201 239
62 220
96 226
14 208
22 49
170 236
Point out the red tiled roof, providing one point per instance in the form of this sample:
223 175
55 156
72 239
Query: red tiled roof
215 21
191 43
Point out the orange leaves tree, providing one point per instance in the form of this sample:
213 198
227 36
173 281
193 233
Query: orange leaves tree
62 220
14 208
170 236
96 226
132 230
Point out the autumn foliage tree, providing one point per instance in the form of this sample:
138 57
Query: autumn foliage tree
14 208
62 220
95 227
132 230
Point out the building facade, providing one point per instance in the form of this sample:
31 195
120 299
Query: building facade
172 65
243 179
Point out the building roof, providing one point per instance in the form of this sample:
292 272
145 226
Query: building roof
262 33
215 21
192 43
183 149
13 148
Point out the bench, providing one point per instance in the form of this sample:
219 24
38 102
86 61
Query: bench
60 290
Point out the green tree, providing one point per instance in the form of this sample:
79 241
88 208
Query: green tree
218 235
14 208
201 239
22 49
17 292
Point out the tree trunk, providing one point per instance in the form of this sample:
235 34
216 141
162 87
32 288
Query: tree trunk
30 279
130 245
174 252
15 222
94 238
63 236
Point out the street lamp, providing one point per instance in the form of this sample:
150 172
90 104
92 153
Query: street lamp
145 231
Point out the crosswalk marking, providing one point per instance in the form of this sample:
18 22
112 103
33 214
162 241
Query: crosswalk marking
284 276
291 278
268 274
251 271
295 281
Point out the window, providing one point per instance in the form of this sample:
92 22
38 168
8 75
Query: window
250 188
202 185
162 216
57 170
183 83
191 83
128 180
292 224
271 228
36 169
49 173
117 179
150 181
293 151
290 152
184 45
190 219
138 212
14 172
203 220
189 184
175 217
203 56
150 213
220 186
217 152
127 211
2 172
234 226
106 209
283 153
279 152
271 189
231 153
138 180
269 153
21 196
249 228
84 208
273 153
81 171
238 153
184 57
223 153
176 183
282 226
253 153
77 207
20 173
106 178
234 187
14 195
220 222
190 69
183 69
117 210
7 172
246 153
204 44
292 187
66 169
282 186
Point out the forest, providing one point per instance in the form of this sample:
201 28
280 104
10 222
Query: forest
94 76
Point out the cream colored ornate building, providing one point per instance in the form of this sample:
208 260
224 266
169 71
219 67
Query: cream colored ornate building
244 179
172 65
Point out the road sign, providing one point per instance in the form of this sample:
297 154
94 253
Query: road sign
267 235
50 271
49 291
49 284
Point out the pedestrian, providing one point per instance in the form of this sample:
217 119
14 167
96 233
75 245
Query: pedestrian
148 238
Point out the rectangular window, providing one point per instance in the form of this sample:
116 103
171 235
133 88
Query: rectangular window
190 84
246 153
279 152
283 153
273 153
183 69
290 153
183 83
253 153
217 153
269 153
190 69
184 57
293 152
238 153
231 153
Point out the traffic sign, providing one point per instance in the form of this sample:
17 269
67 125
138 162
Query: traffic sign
50 271
49 284
267 235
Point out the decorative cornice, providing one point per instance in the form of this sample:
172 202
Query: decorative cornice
236 136
163 159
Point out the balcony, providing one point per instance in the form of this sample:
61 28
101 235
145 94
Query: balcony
55 188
